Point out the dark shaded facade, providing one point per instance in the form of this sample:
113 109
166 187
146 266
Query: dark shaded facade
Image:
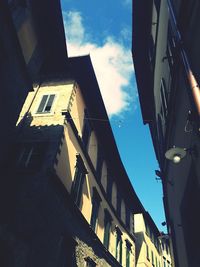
32 35
169 109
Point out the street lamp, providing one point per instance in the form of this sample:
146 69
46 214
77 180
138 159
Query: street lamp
175 154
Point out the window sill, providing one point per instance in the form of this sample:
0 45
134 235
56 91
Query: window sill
44 114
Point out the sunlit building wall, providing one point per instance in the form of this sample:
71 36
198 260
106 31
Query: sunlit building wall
66 151
152 249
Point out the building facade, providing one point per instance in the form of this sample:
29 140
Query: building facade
167 259
165 41
25 49
70 200
152 249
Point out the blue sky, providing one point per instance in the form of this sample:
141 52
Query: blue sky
103 30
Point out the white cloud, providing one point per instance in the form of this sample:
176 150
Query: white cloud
74 28
112 63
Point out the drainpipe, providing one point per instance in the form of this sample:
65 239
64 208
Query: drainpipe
190 76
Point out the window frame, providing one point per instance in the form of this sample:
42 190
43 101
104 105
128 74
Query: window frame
164 98
89 262
156 261
100 160
42 110
151 51
152 258
107 228
147 252
79 178
128 253
119 201
30 156
96 200
118 248
109 187
161 136
128 217
25 156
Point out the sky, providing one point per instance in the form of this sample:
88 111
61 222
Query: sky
103 29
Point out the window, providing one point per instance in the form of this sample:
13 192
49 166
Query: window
95 209
128 252
167 246
30 156
171 53
104 177
118 203
107 225
109 188
118 252
170 56
156 262
163 245
151 51
79 178
89 262
164 98
157 244
133 223
114 195
147 252
86 130
148 230
123 211
160 137
152 258
127 217
151 235
99 162
46 104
